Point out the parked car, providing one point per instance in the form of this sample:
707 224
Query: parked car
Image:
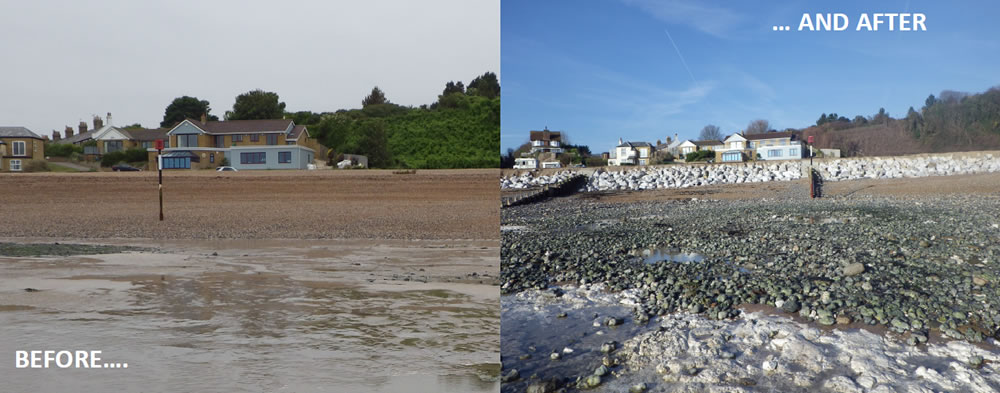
227 169
124 168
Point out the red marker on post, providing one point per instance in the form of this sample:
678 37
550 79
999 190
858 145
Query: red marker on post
159 165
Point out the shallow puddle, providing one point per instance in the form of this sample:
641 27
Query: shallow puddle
532 331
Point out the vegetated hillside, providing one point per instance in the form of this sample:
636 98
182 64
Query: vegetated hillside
467 136
954 122
460 130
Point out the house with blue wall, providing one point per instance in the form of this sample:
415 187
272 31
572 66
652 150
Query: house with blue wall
242 144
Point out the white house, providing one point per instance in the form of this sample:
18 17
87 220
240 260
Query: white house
630 153
525 163
777 146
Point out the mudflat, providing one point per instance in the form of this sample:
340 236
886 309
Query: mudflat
360 280
429 204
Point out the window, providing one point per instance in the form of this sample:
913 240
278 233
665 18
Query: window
254 137
211 158
289 142
792 152
554 143
15 165
112 146
774 153
537 143
253 158
643 153
237 137
146 144
176 163
284 157
187 140
90 150
18 150
732 156
272 139
220 141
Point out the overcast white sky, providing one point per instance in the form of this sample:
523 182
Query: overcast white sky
63 61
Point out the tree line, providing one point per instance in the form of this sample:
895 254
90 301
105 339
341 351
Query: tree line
460 129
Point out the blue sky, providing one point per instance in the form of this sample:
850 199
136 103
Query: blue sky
645 69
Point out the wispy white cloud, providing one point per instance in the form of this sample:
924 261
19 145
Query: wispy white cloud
707 18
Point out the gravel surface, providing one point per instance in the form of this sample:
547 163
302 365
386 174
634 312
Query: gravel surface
918 265
432 204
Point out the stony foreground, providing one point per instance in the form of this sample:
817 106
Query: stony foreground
445 204
684 352
914 266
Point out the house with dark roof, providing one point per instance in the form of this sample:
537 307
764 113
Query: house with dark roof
105 137
630 153
245 144
546 141
18 148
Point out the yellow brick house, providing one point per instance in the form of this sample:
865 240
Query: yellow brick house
18 148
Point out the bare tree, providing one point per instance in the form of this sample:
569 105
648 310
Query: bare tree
758 126
711 132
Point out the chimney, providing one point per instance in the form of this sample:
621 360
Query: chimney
675 137
98 123
69 132
83 127
620 141
204 118
109 118
55 135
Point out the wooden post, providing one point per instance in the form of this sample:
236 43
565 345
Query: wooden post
159 165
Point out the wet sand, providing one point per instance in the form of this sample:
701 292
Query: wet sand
259 315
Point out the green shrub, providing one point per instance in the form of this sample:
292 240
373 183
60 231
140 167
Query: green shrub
136 154
62 149
110 159
700 155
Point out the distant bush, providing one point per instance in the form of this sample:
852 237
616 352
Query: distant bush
136 154
596 161
700 155
37 166
62 149
110 159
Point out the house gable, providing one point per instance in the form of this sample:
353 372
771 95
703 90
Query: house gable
186 127
111 133
735 138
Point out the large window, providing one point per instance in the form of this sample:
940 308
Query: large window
90 150
112 146
187 140
774 153
18 149
237 137
176 163
146 144
284 157
272 139
253 158
15 165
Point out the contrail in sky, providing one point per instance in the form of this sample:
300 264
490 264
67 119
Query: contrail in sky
680 55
